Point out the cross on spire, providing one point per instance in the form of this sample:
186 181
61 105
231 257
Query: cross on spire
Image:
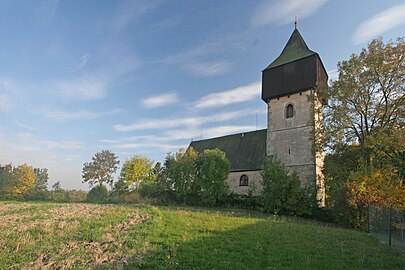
295 23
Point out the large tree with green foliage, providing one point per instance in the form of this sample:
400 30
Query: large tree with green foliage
364 122
16 182
212 171
367 102
180 173
101 169
135 172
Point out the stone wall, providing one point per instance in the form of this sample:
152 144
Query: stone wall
254 177
292 139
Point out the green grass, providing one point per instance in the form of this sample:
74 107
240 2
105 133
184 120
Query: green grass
89 236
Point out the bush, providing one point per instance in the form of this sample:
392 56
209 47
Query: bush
248 201
98 193
212 171
282 193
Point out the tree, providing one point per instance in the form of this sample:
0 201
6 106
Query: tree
180 172
135 172
101 169
16 182
364 124
368 99
282 193
57 187
58 194
212 171
41 179
40 191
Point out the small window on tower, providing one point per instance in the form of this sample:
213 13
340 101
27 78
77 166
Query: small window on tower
244 180
289 111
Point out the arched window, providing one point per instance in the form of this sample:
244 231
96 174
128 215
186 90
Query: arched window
289 111
244 180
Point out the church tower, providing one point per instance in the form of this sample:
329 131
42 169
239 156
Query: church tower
289 87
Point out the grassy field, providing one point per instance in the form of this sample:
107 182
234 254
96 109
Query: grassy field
91 236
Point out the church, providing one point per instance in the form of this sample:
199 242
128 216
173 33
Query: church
294 114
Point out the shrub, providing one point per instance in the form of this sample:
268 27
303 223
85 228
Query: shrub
98 193
282 193
247 201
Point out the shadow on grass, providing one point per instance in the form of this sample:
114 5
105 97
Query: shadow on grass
265 244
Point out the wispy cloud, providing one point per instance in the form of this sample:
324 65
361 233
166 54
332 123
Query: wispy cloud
62 116
236 95
209 69
282 12
115 61
167 141
82 88
161 143
161 100
193 61
46 10
380 23
197 121
25 126
9 93
161 146
83 60
211 132
130 11
158 124
29 139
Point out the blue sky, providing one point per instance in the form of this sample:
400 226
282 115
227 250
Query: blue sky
147 77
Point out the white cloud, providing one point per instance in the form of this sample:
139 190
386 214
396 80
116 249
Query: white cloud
209 69
86 88
379 24
197 121
158 124
236 95
159 101
25 126
283 11
192 54
29 140
164 141
162 147
204 133
225 130
115 61
192 60
62 116
84 59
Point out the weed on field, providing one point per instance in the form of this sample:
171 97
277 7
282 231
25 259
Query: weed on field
94 236
68 236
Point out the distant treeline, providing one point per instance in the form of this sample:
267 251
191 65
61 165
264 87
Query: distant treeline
24 182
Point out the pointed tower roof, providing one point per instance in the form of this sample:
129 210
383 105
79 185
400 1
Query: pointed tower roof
296 69
295 49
